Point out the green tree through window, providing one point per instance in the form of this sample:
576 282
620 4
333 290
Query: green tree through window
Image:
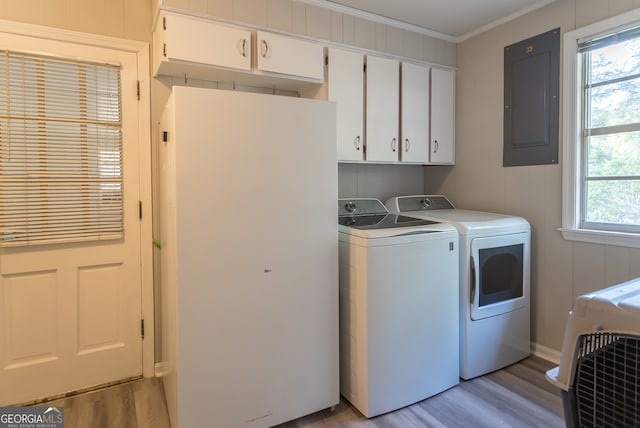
610 193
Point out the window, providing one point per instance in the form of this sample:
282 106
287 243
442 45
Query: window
601 188
60 150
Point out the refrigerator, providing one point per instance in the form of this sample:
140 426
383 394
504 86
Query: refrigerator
249 257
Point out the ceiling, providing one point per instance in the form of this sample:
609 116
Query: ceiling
454 19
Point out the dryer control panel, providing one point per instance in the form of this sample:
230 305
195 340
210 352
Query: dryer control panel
424 203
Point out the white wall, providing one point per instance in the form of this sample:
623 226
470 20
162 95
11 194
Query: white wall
379 181
561 270
133 19
127 19
296 17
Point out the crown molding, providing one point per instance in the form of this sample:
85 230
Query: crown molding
379 19
498 22
327 4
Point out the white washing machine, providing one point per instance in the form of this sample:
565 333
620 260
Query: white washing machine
398 307
494 281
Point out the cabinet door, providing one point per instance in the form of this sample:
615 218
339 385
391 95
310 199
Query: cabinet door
382 109
414 113
286 55
345 78
443 110
195 40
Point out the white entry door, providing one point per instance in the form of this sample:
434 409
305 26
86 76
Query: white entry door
70 312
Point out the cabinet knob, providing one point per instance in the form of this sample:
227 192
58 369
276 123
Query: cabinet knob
407 144
393 145
265 48
435 146
356 142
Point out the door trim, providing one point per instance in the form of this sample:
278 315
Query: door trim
141 50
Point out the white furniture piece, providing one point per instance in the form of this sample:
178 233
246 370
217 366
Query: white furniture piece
443 111
414 113
249 281
345 82
189 47
382 111
494 281
398 307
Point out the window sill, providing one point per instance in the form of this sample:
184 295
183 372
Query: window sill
620 239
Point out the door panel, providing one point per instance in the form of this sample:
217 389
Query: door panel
443 110
100 291
382 102
414 111
30 319
71 312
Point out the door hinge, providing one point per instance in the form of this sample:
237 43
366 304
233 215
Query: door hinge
138 90
142 327
164 22
140 209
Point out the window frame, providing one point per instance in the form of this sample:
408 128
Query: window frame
572 135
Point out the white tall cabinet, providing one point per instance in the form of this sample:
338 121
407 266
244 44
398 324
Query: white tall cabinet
443 111
414 113
382 109
345 81
249 258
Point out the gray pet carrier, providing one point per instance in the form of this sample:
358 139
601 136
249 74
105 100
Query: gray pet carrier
598 372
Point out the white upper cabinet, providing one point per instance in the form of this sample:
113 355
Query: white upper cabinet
414 113
285 55
200 48
345 81
443 111
182 40
382 109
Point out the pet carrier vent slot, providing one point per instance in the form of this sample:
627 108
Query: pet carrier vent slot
606 386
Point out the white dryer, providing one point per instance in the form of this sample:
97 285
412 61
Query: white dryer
494 281
398 307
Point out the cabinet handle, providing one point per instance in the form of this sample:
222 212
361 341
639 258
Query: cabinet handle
265 50
393 145
244 47
407 144
357 142
435 146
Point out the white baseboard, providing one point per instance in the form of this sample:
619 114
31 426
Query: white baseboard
546 353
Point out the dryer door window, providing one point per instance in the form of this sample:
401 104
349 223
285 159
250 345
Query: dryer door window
500 271
499 274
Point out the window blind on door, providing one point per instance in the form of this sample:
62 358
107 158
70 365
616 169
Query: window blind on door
60 150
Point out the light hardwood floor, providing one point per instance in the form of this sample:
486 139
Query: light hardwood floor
135 404
517 396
